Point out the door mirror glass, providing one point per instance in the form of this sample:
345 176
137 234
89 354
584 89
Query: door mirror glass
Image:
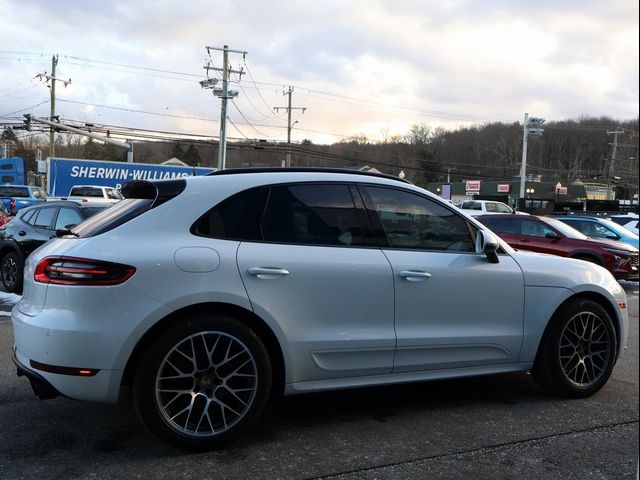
552 235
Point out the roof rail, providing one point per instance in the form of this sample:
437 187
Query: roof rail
232 171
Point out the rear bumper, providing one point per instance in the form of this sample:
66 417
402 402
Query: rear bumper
41 387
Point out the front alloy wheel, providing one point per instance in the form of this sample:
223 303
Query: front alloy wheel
585 349
578 351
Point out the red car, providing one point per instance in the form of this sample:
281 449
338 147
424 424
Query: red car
5 216
548 235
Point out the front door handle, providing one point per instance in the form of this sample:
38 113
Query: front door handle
414 275
268 272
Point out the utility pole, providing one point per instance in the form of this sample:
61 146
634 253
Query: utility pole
289 124
224 93
532 128
615 134
52 88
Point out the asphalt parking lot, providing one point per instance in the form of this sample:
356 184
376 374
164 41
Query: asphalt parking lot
498 427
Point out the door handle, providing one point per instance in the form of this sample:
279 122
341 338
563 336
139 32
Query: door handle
524 240
267 272
414 275
22 233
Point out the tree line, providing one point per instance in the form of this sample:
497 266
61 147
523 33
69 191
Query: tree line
567 150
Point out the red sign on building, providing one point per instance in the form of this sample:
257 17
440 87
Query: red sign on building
473 185
504 188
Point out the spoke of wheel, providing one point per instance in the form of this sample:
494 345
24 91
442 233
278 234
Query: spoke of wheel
202 413
173 390
166 405
191 359
232 392
213 349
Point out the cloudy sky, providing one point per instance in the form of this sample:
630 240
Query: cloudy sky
372 67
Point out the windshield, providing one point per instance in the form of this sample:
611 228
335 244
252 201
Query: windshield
565 229
621 231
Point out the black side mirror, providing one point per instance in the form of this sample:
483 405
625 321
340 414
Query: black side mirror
552 235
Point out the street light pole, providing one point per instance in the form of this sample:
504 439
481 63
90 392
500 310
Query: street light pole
532 127
523 167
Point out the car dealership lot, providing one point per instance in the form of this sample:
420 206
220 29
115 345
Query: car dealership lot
494 427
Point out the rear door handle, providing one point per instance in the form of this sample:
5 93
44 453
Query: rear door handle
267 272
414 275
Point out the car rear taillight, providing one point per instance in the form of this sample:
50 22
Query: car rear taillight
81 271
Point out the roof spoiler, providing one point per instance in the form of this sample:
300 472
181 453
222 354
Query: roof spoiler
160 191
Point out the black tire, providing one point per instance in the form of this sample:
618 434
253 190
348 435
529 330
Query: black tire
589 258
12 268
578 351
220 360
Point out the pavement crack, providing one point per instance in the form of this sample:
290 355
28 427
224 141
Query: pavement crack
482 449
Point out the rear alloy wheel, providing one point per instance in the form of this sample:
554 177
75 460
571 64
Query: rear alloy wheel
203 383
579 350
12 272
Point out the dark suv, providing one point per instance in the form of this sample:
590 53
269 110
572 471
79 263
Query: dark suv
548 235
32 227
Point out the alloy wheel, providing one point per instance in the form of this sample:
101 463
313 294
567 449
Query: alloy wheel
585 349
206 384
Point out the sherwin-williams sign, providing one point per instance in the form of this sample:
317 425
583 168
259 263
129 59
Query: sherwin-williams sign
64 173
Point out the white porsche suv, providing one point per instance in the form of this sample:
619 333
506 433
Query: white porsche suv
207 295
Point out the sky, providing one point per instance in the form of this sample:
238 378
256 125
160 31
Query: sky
371 67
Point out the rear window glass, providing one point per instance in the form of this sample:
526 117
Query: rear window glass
86 192
112 217
20 192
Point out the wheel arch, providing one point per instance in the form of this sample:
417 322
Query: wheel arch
588 253
600 300
261 328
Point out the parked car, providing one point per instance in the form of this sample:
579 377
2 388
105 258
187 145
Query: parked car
92 194
628 221
32 227
597 227
548 235
271 281
5 216
16 197
486 207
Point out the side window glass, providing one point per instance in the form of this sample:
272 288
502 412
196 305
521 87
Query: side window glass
532 228
67 217
235 218
44 217
414 222
502 225
28 217
503 208
491 207
314 214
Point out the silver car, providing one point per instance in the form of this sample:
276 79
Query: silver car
207 295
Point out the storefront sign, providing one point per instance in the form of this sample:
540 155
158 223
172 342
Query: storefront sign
473 185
